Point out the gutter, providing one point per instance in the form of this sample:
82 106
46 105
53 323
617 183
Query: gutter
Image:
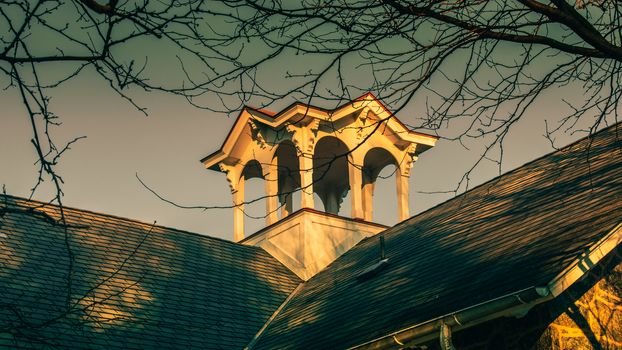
515 304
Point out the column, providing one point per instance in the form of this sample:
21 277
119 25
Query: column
356 183
306 180
368 200
303 138
238 211
402 194
286 198
332 202
271 180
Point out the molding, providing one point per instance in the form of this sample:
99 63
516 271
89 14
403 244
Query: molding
367 101
590 258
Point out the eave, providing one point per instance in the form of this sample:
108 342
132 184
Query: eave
515 304
425 141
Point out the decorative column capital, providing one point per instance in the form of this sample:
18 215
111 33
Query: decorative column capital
231 174
304 136
409 159
257 134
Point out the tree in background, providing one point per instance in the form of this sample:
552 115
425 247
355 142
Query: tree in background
477 65
45 43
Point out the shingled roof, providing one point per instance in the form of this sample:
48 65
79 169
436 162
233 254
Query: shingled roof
132 285
107 282
517 231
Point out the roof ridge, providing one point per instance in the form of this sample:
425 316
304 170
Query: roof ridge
121 218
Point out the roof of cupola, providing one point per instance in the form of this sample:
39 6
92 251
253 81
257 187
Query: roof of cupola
301 113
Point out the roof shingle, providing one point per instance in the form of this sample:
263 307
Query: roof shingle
133 285
516 231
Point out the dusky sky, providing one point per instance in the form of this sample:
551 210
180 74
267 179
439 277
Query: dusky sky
164 147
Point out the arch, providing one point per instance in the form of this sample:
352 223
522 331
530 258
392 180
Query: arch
288 173
375 161
252 169
330 172
253 210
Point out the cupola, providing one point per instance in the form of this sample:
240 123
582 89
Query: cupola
311 150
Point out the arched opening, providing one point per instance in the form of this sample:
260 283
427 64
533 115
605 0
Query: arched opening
330 173
380 170
255 209
288 177
317 202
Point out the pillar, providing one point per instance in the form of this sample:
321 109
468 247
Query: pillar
356 184
286 197
368 201
332 202
238 211
306 181
402 195
271 180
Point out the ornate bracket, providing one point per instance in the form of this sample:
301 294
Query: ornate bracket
361 122
230 174
409 159
257 134
304 137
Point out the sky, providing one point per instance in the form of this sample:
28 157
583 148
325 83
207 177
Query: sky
164 147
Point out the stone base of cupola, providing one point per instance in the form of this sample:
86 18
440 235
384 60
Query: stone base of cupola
308 240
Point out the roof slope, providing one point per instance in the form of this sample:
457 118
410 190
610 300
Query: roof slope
133 285
517 231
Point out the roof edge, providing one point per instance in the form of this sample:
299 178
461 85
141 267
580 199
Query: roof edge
516 303
220 152
42 204
585 262
467 192
259 333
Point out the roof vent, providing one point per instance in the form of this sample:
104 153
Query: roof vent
378 266
381 238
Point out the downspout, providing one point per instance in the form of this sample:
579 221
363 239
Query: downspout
514 304
445 337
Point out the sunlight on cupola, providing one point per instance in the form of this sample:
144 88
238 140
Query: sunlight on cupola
318 154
